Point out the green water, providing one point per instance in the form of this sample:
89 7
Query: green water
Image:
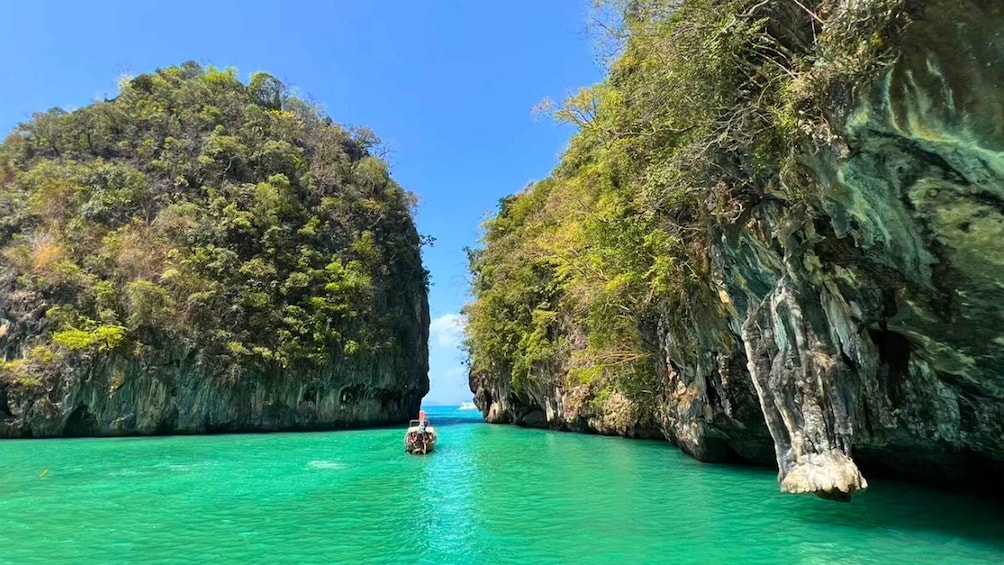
490 495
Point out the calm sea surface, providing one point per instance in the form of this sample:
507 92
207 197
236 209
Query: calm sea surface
490 494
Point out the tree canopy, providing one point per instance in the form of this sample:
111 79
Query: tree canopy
233 220
709 106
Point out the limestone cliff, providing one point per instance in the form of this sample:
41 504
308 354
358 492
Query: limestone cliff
201 255
859 326
176 394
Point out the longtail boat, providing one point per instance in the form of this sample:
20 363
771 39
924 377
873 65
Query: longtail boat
421 437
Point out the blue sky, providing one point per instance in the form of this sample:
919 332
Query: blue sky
449 86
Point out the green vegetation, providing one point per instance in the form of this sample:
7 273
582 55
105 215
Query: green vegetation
228 219
709 106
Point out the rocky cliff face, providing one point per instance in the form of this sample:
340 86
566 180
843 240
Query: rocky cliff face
184 401
174 391
202 255
860 329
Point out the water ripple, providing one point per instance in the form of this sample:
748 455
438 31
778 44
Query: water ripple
491 495
325 465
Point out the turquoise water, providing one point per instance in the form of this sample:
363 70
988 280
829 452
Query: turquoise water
490 494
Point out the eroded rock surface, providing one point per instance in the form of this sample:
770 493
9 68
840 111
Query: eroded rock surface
864 328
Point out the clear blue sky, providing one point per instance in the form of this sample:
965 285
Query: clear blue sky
448 85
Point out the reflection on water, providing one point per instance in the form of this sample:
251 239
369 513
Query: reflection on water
488 494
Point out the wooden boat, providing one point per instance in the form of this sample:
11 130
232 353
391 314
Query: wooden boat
421 436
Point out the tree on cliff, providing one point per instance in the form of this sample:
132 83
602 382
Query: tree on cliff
706 108
229 220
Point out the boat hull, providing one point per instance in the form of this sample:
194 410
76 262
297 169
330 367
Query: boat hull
419 442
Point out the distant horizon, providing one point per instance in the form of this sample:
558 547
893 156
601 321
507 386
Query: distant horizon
443 403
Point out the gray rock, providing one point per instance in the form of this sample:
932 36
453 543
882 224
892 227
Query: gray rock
175 391
862 328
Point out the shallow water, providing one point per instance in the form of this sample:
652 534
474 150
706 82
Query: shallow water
490 494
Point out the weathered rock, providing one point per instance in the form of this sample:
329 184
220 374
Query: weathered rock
862 328
176 392
202 255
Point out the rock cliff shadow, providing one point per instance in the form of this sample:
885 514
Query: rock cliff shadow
892 507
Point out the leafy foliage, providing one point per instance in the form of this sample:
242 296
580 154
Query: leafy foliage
229 219
708 108
102 338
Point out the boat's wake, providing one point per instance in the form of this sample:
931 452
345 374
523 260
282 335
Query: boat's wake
325 465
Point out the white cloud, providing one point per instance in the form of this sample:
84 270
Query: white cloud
447 330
